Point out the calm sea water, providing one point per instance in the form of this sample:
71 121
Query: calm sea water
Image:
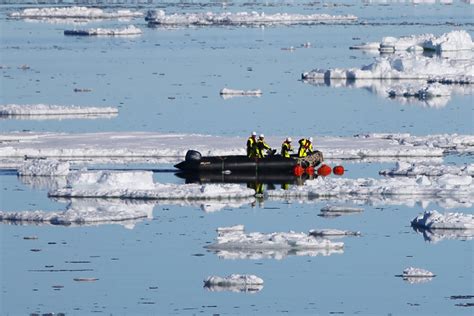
168 80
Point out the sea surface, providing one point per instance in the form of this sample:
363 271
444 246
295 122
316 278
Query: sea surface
168 80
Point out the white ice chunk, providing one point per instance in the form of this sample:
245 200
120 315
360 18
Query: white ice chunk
126 31
44 167
140 185
415 169
85 212
159 17
74 12
49 109
291 241
332 233
234 283
434 220
341 209
228 93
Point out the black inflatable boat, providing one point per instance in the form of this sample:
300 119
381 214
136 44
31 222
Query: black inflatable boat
194 162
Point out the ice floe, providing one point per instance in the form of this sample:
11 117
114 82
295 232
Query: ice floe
416 169
50 110
234 243
159 17
401 66
227 93
234 283
434 220
173 147
85 212
126 31
74 12
451 41
331 233
140 185
44 167
417 275
444 186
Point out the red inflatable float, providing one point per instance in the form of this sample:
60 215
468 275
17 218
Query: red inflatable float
338 170
324 170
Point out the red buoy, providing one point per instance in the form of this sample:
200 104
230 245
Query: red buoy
298 170
324 170
338 170
310 170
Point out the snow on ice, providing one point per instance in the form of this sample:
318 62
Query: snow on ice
451 41
74 12
44 167
416 169
48 109
140 185
85 212
159 17
234 283
126 31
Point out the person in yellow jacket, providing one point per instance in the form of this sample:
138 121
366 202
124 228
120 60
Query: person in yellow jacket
286 148
306 147
252 145
262 147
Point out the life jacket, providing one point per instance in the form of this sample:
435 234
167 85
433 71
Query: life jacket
305 147
261 147
251 147
285 149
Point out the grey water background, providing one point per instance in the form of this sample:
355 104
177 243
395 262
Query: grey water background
167 80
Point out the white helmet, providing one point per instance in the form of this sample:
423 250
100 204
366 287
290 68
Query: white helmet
261 136
288 139
311 139
254 133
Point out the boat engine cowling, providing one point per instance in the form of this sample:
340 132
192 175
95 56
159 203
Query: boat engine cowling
193 155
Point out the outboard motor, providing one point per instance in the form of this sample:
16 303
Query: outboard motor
193 155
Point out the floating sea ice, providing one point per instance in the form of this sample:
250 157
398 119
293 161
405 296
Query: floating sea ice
416 169
434 220
129 30
44 167
332 233
451 41
402 66
49 109
225 92
159 17
73 12
436 235
85 212
234 283
238 244
140 185
341 209
417 275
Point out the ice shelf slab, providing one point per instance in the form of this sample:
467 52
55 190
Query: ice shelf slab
434 220
84 212
52 110
159 17
126 31
234 283
174 146
414 169
450 41
44 167
74 12
140 185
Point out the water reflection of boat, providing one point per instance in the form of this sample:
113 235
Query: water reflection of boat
243 177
